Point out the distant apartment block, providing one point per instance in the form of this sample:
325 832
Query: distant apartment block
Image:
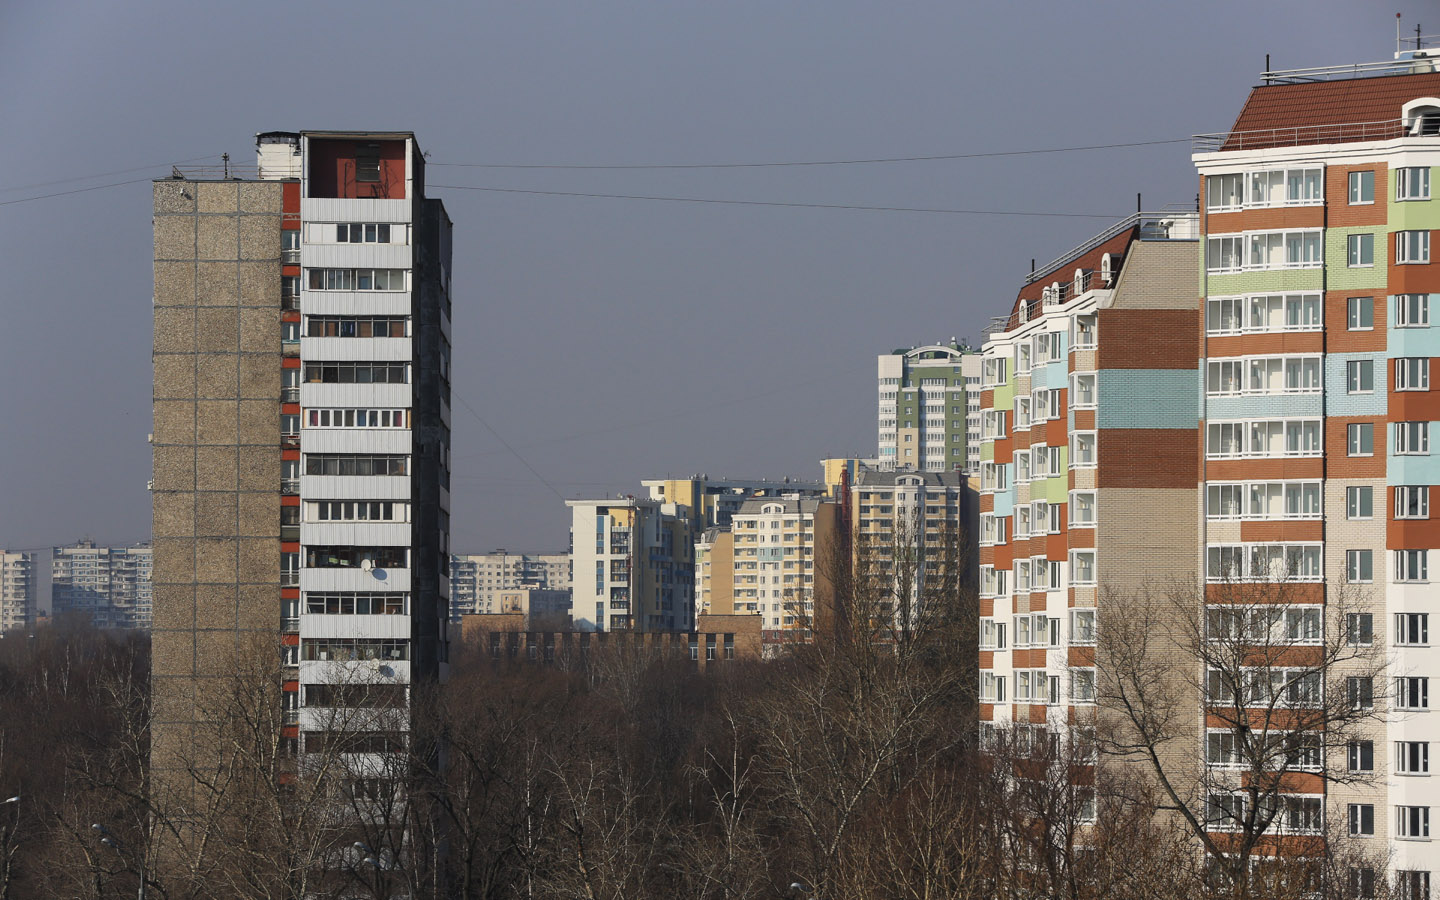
633 565
713 501
109 586
776 541
476 579
929 407
17 590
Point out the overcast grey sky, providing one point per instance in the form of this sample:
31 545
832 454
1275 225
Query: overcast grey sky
606 340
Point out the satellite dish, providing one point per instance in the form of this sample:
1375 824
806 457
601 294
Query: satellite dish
367 565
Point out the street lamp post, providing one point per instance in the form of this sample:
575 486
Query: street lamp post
10 834
108 840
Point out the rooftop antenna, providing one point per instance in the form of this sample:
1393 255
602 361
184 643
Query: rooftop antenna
225 157
1417 36
1397 33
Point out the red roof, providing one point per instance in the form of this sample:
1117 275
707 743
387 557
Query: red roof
1065 271
1308 112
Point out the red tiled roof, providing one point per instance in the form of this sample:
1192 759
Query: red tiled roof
1065 272
1314 105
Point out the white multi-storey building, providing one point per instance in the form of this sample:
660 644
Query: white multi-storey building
17 590
929 408
476 579
110 586
633 565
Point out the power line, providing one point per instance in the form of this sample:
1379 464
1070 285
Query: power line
820 162
38 184
496 434
75 191
852 206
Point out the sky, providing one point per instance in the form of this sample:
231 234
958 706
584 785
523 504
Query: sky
601 341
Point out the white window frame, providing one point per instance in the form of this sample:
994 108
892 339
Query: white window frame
1412 183
1412 247
1412 501
1357 185
1412 566
1360 250
1353 308
1412 310
1412 438
1360 376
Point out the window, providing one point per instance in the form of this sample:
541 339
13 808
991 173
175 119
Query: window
1360 313
1412 692
356 603
1222 748
357 418
1285 187
1359 629
1082 510
1361 250
1362 882
367 162
355 464
1412 822
1360 376
1411 884
356 326
1360 439
1361 756
1284 250
356 279
356 511
1412 629
1412 247
1082 626
1412 183
1412 438
1361 691
1224 192
1362 819
1412 373
1264 438
1263 562
1359 502
1362 188
1225 315
1412 502
1412 566
357 373
1412 757
1225 254
1082 685
1083 452
1412 310
1083 387
362 233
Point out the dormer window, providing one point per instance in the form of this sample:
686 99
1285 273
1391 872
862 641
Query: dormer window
1422 117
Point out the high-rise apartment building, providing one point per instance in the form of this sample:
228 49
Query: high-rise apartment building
476 579
109 586
776 545
17 590
1320 296
1087 472
929 407
301 433
632 565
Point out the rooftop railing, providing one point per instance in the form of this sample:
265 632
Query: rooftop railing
1299 135
1411 64
1171 223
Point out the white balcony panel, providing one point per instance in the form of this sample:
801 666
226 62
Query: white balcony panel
354 580
377 396
334 209
356 303
355 487
356 440
319 718
322 626
355 534
339 349
356 256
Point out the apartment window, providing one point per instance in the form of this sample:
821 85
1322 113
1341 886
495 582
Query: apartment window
1084 391
1362 882
1083 450
1359 502
1361 756
1361 691
1224 192
357 373
1082 510
1360 313
1412 502
1225 376
1225 315
1359 629
1412 373
1082 566
1412 757
355 511
1362 188
1082 626
1412 566
1360 440
367 162
1284 250
1360 376
356 279
1222 748
1362 819
1082 685
1225 254
1412 183
362 233
1412 247
1412 629
1412 438
1412 692
1360 250
355 464
1412 310
356 326
357 418
1412 884
1412 822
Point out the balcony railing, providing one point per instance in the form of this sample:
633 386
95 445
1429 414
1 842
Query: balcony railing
289 485
290 395
1300 135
